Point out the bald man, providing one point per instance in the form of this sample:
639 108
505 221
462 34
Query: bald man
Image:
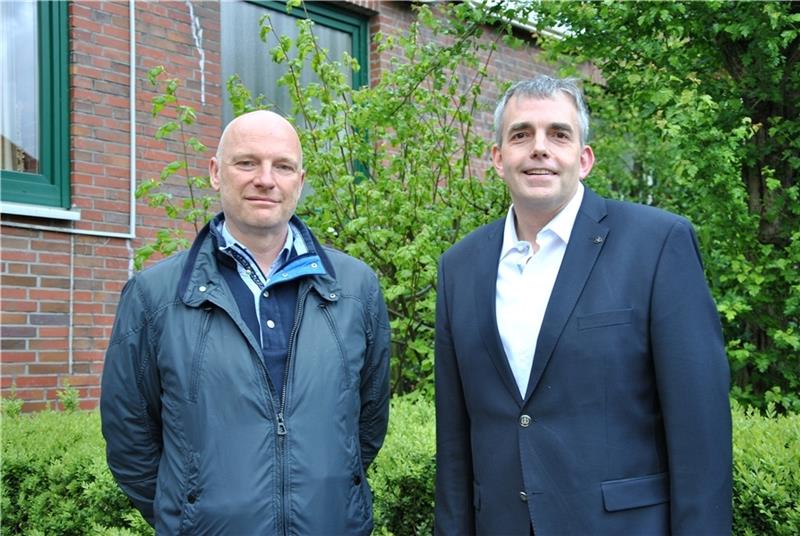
246 383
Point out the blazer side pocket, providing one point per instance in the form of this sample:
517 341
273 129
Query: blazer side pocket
636 492
606 318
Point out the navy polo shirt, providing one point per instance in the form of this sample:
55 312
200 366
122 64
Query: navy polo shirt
268 302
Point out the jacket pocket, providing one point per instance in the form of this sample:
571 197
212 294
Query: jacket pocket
348 377
476 496
190 495
606 318
636 492
199 354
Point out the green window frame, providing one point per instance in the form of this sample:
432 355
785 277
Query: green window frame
51 186
338 19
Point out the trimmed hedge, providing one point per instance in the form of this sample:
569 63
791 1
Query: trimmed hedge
766 473
55 480
402 476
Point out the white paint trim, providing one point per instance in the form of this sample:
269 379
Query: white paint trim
39 211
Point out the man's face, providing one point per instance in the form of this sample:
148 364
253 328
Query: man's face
541 158
258 174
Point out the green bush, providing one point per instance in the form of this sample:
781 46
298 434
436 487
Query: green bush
766 473
55 479
402 475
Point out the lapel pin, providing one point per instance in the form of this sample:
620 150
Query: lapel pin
597 239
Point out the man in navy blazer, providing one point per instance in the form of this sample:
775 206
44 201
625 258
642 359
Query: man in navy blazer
581 376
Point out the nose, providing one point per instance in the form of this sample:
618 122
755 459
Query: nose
539 146
263 176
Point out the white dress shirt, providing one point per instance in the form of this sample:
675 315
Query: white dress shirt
524 283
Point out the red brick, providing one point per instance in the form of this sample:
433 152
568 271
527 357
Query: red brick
18 281
12 319
30 394
48 368
55 282
48 294
36 381
48 344
21 256
88 308
84 380
13 344
52 246
53 307
32 407
90 356
12 293
17 305
44 269
14 369
15 268
89 404
53 258
59 331
52 357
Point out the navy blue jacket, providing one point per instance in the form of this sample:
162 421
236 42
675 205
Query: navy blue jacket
625 427
195 436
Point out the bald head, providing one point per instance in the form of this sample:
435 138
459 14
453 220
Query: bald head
257 121
258 172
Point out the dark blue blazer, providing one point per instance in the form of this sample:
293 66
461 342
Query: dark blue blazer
625 427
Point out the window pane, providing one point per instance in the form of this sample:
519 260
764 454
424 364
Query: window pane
19 86
244 53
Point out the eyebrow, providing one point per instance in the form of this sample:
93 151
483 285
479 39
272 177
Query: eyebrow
238 156
520 125
525 125
562 127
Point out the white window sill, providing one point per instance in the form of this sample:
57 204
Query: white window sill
39 211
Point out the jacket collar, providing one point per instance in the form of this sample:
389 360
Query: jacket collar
200 279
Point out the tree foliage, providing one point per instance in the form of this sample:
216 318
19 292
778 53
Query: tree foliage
392 166
697 110
192 206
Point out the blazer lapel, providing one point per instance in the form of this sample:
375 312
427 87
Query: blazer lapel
585 242
487 256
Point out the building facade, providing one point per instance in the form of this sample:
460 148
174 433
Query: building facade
78 138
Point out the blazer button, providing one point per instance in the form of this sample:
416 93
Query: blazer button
525 421
523 496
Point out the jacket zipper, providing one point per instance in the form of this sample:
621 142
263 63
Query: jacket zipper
279 418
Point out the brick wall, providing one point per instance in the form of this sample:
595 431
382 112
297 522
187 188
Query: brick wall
61 280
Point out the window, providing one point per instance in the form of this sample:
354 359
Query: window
34 95
244 53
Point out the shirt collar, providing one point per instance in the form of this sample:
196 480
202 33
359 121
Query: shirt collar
561 224
293 239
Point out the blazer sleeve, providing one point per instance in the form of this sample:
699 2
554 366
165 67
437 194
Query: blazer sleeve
454 513
693 379
129 402
374 418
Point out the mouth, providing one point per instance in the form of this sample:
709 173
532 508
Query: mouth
539 172
262 200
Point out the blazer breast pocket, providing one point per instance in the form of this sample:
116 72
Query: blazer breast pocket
605 319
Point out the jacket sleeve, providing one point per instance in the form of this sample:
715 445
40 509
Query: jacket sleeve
374 418
129 402
692 378
454 496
